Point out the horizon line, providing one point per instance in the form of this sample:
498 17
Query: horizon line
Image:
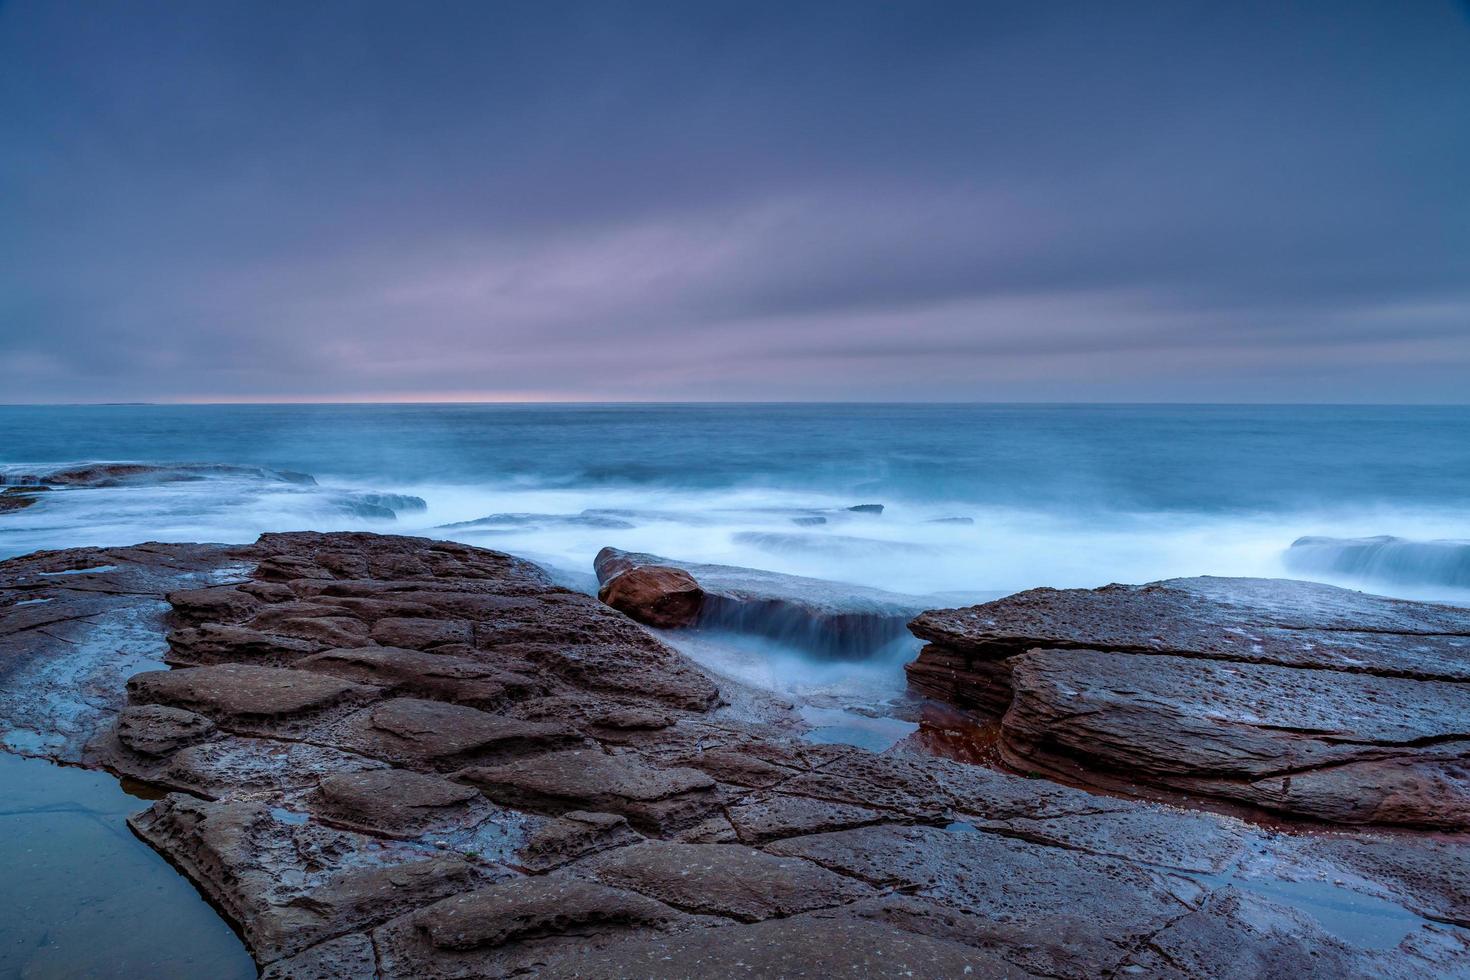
553 403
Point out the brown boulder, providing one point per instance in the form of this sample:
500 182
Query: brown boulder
656 595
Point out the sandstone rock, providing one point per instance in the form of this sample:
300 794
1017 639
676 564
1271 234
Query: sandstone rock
248 767
431 675
346 956
1288 696
334 863
291 884
515 929
19 498
74 625
731 880
817 945
772 816
501 913
575 834
217 643
828 618
418 732
422 634
250 699
658 800
224 604
1048 910
392 802
657 595
129 474
156 730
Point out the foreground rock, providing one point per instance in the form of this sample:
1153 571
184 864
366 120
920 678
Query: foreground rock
1293 697
406 758
828 618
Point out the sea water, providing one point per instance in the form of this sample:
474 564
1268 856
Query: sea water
976 498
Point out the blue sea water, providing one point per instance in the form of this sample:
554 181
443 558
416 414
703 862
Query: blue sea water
976 498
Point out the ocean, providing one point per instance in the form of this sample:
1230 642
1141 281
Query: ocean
976 499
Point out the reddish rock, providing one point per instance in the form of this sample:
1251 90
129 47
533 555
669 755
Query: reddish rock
656 595
420 732
1299 698
731 880
575 834
656 799
247 698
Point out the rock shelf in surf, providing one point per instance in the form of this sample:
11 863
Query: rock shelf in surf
1303 699
23 485
394 757
830 619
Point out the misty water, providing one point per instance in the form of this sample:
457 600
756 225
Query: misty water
956 502
976 498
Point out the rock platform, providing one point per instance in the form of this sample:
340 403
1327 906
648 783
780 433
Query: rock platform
396 757
1305 700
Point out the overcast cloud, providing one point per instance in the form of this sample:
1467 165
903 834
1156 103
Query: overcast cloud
958 201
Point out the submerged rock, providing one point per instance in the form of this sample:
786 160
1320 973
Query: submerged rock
19 498
1294 697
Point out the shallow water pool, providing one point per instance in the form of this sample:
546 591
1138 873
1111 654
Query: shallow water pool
83 897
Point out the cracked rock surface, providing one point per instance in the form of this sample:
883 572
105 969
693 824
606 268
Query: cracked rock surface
1302 699
395 757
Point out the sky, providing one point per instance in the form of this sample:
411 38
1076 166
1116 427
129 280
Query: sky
911 201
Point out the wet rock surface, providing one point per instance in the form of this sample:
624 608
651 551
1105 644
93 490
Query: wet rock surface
541 788
1303 699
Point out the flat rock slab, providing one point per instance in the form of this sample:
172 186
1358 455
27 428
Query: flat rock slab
75 624
730 880
423 733
392 802
590 779
1295 697
818 946
1057 910
245 696
438 676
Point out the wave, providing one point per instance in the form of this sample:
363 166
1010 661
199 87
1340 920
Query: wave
1385 559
